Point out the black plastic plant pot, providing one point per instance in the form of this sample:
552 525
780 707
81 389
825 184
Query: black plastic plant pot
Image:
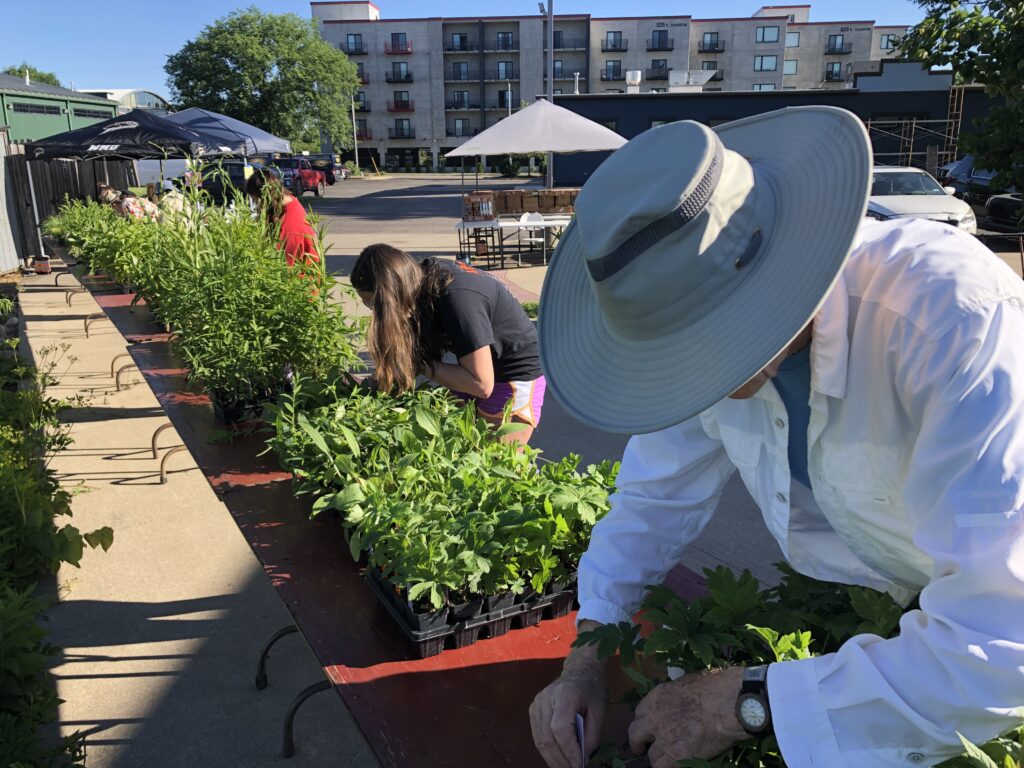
562 584
467 610
231 412
424 621
528 595
498 602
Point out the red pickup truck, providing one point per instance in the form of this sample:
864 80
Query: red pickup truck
299 176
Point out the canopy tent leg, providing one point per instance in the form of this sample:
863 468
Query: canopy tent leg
462 179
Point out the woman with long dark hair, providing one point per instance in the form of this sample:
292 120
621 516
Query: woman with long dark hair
281 208
422 310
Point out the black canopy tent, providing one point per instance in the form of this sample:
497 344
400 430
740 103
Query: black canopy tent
136 135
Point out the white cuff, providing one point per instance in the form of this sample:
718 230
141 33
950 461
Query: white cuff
802 727
601 611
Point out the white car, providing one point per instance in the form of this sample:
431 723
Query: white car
912 193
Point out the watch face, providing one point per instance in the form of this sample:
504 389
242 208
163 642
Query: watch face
752 713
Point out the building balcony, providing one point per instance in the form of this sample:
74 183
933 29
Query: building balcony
503 108
402 133
362 106
463 134
397 49
495 75
610 76
353 49
614 46
398 77
575 44
563 75
658 73
501 45
661 45
838 50
407 105
718 76
468 47
461 77
364 135
716 46
461 105
364 79
833 77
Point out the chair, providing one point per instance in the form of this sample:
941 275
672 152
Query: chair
532 235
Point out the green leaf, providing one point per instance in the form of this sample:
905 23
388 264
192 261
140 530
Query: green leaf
510 428
975 755
428 422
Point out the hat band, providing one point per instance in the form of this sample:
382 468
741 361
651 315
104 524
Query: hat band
691 206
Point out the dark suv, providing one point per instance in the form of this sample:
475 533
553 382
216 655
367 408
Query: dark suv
326 164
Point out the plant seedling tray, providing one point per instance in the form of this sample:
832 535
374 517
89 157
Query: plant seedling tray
462 633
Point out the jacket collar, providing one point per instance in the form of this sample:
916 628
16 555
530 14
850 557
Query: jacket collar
830 344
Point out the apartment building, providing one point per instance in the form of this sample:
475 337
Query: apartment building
430 83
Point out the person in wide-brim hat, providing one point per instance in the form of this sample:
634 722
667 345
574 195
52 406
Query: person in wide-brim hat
721 296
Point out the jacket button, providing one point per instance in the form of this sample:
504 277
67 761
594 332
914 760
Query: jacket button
915 757
780 496
780 423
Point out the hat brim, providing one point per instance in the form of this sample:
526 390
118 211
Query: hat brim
817 161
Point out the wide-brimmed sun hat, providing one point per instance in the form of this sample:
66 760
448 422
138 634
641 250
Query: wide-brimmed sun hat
696 255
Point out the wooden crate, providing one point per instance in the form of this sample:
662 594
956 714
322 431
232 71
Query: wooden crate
547 201
514 201
530 202
478 206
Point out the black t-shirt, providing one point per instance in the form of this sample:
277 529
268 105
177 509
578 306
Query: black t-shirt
477 311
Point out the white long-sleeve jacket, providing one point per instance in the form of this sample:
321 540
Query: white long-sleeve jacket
916 458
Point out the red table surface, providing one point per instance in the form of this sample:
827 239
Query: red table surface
464 708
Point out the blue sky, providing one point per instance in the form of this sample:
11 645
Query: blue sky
124 45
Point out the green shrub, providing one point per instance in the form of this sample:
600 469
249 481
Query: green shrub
34 540
446 510
531 308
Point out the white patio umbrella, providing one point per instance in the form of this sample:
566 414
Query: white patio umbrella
541 127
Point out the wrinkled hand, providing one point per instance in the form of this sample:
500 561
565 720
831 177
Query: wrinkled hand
693 717
582 689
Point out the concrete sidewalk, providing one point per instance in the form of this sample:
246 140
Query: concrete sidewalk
160 635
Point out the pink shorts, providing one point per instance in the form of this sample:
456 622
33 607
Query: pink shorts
527 398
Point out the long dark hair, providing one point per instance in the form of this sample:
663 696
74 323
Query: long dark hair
403 336
267 190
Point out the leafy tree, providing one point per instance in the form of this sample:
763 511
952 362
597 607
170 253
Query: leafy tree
271 70
36 75
983 40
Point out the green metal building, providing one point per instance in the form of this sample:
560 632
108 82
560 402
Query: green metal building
35 110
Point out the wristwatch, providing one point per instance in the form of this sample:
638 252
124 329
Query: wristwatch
752 708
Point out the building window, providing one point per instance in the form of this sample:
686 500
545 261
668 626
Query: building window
399 43
767 35
613 40
403 128
659 63
505 41
888 42
360 72
361 127
556 92
460 70
93 114
399 71
460 41
659 90
659 40
461 126
505 70
791 18
835 44
764 86
789 67
37 109
709 65
559 40
613 70
709 43
557 66
766 63
460 99
360 97
792 39
401 97
613 90
504 99
834 71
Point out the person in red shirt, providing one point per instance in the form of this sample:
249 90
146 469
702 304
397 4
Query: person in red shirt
297 238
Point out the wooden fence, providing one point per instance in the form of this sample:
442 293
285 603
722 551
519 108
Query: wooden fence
51 182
